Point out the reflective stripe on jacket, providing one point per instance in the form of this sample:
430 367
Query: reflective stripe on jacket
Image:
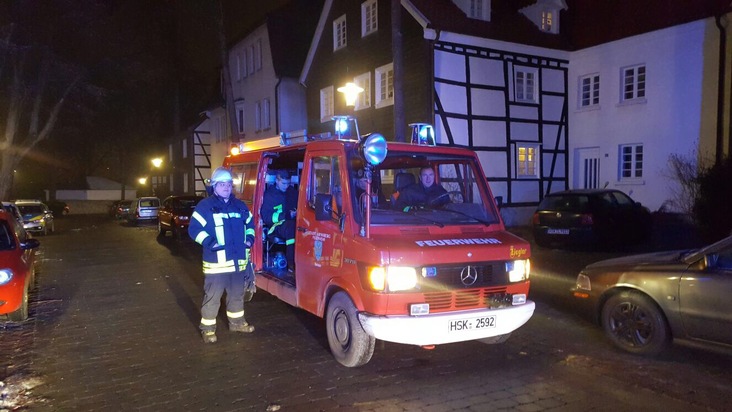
222 228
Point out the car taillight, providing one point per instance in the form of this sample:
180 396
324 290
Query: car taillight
586 219
535 219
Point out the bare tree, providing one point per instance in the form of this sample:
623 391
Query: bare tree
32 103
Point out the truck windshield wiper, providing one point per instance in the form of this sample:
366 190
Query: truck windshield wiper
413 212
485 222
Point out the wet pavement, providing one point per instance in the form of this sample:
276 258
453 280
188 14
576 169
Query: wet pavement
114 327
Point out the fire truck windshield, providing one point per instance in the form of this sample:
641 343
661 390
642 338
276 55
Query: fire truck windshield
410 188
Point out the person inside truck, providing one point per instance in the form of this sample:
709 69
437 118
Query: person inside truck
424 193
359 183
278 210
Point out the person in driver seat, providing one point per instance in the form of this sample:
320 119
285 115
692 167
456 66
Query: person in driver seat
423 193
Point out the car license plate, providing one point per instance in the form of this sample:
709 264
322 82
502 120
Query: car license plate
557 231
482 322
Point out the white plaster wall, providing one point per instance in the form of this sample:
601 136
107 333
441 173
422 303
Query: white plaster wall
669 121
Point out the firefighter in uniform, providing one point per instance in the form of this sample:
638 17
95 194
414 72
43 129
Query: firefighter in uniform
278 212
223 225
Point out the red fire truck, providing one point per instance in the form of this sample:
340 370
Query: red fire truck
435 273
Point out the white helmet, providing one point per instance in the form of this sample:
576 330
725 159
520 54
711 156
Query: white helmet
221 174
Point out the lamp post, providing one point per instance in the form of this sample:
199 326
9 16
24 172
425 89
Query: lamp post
157 163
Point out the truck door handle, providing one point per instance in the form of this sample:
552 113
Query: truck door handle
301 229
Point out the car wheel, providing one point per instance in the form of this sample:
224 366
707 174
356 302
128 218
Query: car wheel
21 313
349 343
161 229
634 323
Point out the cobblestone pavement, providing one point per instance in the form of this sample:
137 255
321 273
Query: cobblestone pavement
114 327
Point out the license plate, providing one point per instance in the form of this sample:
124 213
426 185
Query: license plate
483 322
557 231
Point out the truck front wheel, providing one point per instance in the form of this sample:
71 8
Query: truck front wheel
349 343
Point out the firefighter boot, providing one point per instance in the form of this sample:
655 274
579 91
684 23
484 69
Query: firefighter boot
209 336
241 326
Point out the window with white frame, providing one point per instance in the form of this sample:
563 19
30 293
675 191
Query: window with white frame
250 60
326 104
634 82
369 17
364 98
240 117
184 147
631 161
524 84
218 127
526 160
384 84
478 9
339 33
258 55
258 116
266 124
589 90
243 65
238 66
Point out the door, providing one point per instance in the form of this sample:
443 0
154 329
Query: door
588 161
318 244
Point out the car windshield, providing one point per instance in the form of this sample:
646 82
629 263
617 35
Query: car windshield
31 209
459 194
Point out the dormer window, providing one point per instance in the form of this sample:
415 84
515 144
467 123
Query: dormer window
545 14
475 9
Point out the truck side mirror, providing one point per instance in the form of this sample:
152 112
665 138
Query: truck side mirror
323 209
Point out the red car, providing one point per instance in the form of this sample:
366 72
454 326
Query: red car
17 258
174 214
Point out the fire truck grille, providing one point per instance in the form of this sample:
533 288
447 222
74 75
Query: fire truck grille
441 278
493 298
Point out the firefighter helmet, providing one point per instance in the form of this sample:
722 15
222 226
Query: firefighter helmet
221 174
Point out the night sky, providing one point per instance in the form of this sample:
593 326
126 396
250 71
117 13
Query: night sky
144 66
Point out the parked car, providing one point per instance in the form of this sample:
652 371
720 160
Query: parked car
58 207
13 210
643 302
17 276
590 217
37 217
120 209
175 213
143 209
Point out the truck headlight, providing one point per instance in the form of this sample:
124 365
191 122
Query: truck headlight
5 276
392 278
518 270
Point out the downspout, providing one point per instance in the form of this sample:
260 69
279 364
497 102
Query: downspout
720 89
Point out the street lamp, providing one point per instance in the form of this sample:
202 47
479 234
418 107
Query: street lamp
351 92
157 162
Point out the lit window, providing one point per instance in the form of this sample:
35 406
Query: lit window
631 162
634 82
369 17
384 86
326 104
364 98
525 85
547 21
590 90
526 160
339 33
